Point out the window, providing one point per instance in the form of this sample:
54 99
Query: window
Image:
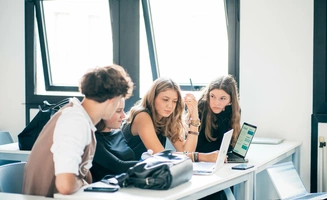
77 36
188 40
191 39
63 40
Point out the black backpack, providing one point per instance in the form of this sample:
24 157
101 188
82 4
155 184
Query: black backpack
28 136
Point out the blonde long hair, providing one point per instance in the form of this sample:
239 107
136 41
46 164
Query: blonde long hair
229 85
174 126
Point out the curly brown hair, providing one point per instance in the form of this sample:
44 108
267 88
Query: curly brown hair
103 83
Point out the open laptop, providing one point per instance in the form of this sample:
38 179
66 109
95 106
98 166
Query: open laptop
206 168
237 155
288 183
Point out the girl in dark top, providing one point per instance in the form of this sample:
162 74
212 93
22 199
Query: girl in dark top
112 155
219 111
160 115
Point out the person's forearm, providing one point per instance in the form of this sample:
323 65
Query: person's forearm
201 157
208 157
68 183
192 138
190 143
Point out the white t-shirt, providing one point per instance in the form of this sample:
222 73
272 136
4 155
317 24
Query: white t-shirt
72 133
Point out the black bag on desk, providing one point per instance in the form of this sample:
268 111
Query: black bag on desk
28 136
161 171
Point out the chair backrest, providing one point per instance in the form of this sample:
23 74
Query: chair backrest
11 177
5 138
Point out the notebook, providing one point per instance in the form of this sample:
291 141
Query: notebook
237 155
288 183
207 168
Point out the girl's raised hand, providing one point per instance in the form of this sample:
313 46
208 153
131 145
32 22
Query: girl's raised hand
192 105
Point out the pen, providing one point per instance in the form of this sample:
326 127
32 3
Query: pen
192 88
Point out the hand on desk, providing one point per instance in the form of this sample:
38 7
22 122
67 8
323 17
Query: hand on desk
205 157
209 157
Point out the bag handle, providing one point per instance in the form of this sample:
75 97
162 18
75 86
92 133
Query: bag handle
49 106
120 179
124 180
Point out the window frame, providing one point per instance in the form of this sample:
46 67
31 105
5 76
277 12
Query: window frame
233 29
319 99
125 32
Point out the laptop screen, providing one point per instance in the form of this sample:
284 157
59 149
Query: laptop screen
244 139
286 180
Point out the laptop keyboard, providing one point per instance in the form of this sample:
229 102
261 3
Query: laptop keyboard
231 155
234 158
200 166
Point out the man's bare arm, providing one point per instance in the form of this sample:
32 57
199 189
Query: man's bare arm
68 183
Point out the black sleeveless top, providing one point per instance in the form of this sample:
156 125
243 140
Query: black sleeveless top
112 155
135 142
224 124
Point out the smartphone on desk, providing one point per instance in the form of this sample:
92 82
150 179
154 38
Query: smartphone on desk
101 189
242 166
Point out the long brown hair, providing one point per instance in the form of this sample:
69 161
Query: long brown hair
101 125
173 126
229 85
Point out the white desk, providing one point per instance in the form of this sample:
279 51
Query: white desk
11 152
12 196
197 187
262 156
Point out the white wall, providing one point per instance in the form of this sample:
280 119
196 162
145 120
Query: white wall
12 66
276 69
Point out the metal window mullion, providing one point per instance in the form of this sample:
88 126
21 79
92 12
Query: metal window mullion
233 30
43 43
150 39
226 13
